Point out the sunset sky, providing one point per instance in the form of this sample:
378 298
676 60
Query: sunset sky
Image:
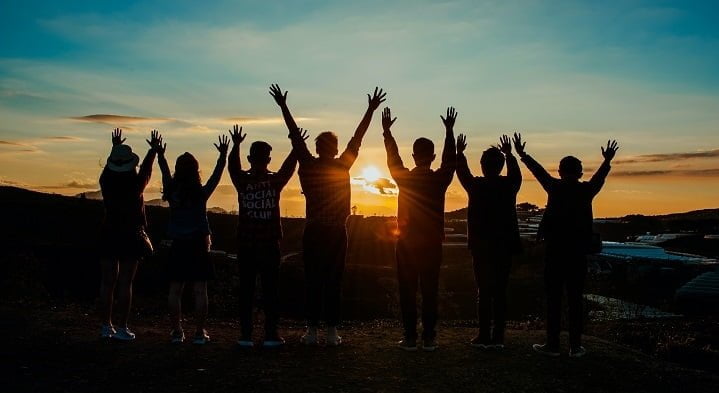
569 76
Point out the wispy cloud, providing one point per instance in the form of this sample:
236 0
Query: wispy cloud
72 184
382 186
118 119
662 157
262 120
708 172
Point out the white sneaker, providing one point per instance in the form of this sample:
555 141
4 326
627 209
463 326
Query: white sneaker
309 338
124 334
545 350
578 352
177 336
107 331
334 341
273 342
201 338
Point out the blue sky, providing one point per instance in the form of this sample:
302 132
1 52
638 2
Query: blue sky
568 74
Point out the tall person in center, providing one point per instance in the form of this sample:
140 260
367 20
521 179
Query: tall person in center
420 221
325 181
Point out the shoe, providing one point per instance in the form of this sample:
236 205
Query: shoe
273 341
124 334
480 343
333 341
408 344
245 342
201 338
309 338
107 331
429 344
177 336
498 346
545 350
578 352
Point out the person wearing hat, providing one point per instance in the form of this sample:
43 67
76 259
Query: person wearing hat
124 241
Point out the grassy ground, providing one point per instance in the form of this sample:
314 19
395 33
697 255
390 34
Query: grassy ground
50 349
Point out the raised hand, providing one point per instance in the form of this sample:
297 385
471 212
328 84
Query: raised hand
461 143
505 145
117 138
450 119
276 93
303 133
224 143
387 119
237 135
610 150
376 99
518 144
155 141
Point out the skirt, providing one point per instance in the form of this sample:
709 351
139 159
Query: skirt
189 259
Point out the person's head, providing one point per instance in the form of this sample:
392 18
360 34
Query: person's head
122 159
492 162
326 144
570 168
423 152
186 179
259 156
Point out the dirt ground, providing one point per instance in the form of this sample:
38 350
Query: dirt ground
56 349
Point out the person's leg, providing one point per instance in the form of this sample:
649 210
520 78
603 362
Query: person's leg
174 300
269 273
499 295
128 268
247 269
575 286
333 284
311 255
110 271
429 261
407 277
484 306
200 290
554 283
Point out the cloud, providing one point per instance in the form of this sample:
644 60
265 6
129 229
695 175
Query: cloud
662 157
262 120
72 184
381 186
11 143
708 172
117 119
63 138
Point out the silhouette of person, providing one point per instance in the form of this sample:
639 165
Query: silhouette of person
189 230
124 241
492 233
258 232
420 222
567 229
325 181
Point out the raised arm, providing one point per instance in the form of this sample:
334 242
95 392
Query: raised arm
541 174
222 146
160 148
449 153
597 180
145 171
234 162
463 172
394 161
288 166
513 173
350 154
298 143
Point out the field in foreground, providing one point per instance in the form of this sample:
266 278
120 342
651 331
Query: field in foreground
56 349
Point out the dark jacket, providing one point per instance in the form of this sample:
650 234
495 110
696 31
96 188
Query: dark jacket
492 207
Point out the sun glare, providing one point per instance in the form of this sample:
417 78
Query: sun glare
371 174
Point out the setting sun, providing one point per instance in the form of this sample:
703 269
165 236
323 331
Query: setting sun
371 174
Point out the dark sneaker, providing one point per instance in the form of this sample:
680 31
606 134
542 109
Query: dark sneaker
429 344
545 350
408 344
273 341
123 334
480 343
577 352
201 338
177 336
107 331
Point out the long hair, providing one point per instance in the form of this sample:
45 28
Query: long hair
185 186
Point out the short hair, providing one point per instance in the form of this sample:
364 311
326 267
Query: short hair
260 148
492 159
570 165
326 138
423 147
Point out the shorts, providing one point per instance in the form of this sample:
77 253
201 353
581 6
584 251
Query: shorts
123 244
189 259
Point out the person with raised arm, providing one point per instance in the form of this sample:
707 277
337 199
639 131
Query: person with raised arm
566 228
189 230
259 231
420 222
492 233
325 181
123 237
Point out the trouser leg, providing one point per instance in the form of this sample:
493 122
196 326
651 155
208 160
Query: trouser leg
575 286
407 277
248 277
312 258
554 283
335 269
484 280
430 264
269 274
499 296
